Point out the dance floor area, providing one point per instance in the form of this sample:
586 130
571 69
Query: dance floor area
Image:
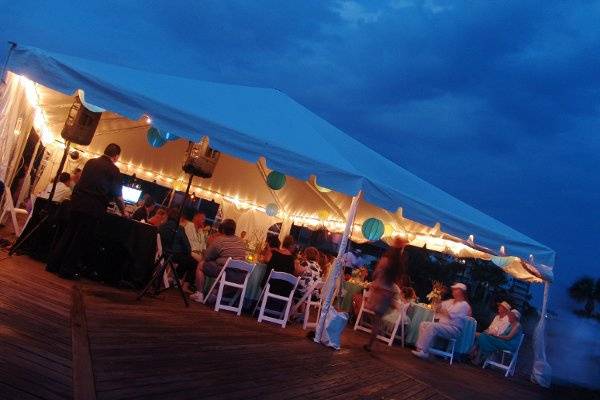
85 340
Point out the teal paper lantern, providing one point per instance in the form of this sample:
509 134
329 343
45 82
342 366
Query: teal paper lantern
154 137
271 209
373 229
275 180
168 136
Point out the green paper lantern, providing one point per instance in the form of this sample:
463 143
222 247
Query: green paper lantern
155 138
271 209
373 229
275 180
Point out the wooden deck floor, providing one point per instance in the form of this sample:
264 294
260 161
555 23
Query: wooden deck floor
54 333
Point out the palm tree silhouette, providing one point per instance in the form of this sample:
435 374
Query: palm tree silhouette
588 291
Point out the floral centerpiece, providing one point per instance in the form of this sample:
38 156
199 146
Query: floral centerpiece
437 292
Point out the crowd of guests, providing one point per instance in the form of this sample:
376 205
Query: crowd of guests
504 333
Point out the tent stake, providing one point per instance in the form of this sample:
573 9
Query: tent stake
330 284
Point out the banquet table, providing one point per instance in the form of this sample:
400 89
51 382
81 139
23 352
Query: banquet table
125 249
350 289
417 313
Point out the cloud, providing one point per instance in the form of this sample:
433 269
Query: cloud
495 102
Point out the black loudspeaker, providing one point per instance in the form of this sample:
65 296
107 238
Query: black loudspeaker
201 160
81 124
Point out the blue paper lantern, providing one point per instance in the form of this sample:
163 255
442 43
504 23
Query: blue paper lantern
154 137
271 209
373 229
168 136
275 180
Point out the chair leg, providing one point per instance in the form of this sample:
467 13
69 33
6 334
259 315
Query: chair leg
219 296
242 297
262 307
286 314
306 315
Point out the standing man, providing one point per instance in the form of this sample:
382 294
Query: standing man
100 183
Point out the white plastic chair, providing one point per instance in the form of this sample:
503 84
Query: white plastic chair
470 325
510 367
232 265
277 317
399 323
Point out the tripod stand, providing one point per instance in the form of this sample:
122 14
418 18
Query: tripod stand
44 213
165 261
162 265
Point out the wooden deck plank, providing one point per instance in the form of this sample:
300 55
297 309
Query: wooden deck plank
156 348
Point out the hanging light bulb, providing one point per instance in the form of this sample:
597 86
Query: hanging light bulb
148 120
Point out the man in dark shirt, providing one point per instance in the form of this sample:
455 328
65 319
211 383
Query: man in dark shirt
100 183
145 211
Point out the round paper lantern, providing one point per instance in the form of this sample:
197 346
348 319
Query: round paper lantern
168 136
372 229
275 180
271 209
155 138
388 230
323 215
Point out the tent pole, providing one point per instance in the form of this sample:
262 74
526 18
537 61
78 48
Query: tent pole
330 284
542 372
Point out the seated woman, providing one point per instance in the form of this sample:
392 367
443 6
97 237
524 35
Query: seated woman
309 272
272 244
488 343
282 260
408 295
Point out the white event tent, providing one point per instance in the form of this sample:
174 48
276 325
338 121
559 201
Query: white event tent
259 130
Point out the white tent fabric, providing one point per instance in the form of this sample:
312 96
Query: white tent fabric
249 122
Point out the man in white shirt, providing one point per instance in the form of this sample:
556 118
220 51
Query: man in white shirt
62 191
452 314
500 322
194 230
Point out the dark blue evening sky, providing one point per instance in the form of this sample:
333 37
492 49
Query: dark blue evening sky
496 102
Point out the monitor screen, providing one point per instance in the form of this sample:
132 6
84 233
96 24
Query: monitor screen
131 195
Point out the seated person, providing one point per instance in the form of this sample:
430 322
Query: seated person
159 218
500 322
409 295
487 343
174 241
282 260
223 247
144 212
193 224
451 313
272 243
309 272
62 191
75 176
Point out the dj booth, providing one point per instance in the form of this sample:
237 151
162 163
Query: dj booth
125 249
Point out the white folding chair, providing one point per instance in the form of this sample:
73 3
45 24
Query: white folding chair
231 266
308 302
399 323
510 367
277 317
470 325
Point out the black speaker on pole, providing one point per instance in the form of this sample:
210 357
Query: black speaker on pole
201 160
81 124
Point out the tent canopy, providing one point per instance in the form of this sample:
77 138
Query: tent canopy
248 123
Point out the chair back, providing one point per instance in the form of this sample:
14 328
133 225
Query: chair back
284 276
239 265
